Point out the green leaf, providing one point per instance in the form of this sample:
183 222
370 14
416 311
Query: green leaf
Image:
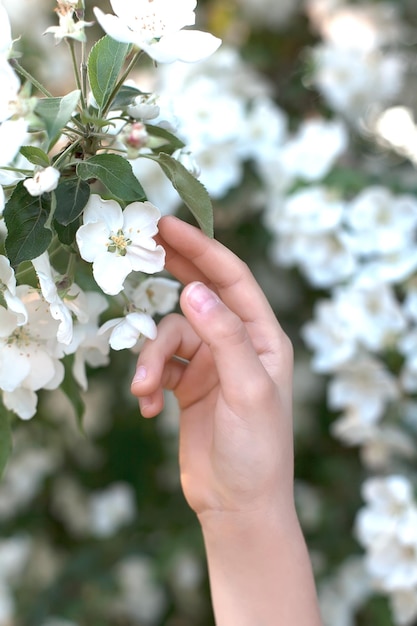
25 218
116 174
56 113
71 197
125 96
66 234
72 390
35 155
5 437
172 142
191 191
105 62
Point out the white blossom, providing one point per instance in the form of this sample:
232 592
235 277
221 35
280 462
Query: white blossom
126 331
156 26
118 242
111 509
23 372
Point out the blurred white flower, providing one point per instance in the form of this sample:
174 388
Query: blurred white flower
354 80
111 509
118 242
343 594
156 26
314 149
44 180
68 27
364 385
380 222
141 598
330 336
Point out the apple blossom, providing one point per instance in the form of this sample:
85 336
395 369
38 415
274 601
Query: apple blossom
118 242
126 331
156 26
38 366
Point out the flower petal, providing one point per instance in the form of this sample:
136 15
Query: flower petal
107 211
188 46
22 401
114 27
92 240
110 271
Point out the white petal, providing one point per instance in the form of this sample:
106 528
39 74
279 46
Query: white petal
22 401
188 46
110 271
107 211
149 260
15 305
143 323
65 329
114 27
42 368
14 367
140 219
92 240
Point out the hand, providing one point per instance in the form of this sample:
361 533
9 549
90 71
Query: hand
230 366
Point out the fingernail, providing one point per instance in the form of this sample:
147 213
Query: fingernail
201 298
140 374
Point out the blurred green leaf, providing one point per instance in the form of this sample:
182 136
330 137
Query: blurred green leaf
5 437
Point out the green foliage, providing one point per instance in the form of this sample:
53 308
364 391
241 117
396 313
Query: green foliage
116 174
191 191
26 219
5 437
56 113
71 197
35 155
105 63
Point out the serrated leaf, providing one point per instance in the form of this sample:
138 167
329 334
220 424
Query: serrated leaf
192 192
104 65
71 197
35 155
72 390
56 113
172 142
26 217
116 174
5 437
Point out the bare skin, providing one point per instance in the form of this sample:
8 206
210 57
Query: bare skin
229 364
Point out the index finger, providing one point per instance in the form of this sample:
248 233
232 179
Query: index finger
191 256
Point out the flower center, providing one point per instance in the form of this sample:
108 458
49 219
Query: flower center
118 243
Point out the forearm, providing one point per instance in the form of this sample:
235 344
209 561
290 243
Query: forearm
260 572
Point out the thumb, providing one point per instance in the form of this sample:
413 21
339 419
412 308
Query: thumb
238 364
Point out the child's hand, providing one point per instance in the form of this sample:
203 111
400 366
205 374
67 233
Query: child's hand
234 390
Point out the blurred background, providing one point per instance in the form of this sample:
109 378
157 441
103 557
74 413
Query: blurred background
302 126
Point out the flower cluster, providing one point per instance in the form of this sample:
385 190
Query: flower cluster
70 199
